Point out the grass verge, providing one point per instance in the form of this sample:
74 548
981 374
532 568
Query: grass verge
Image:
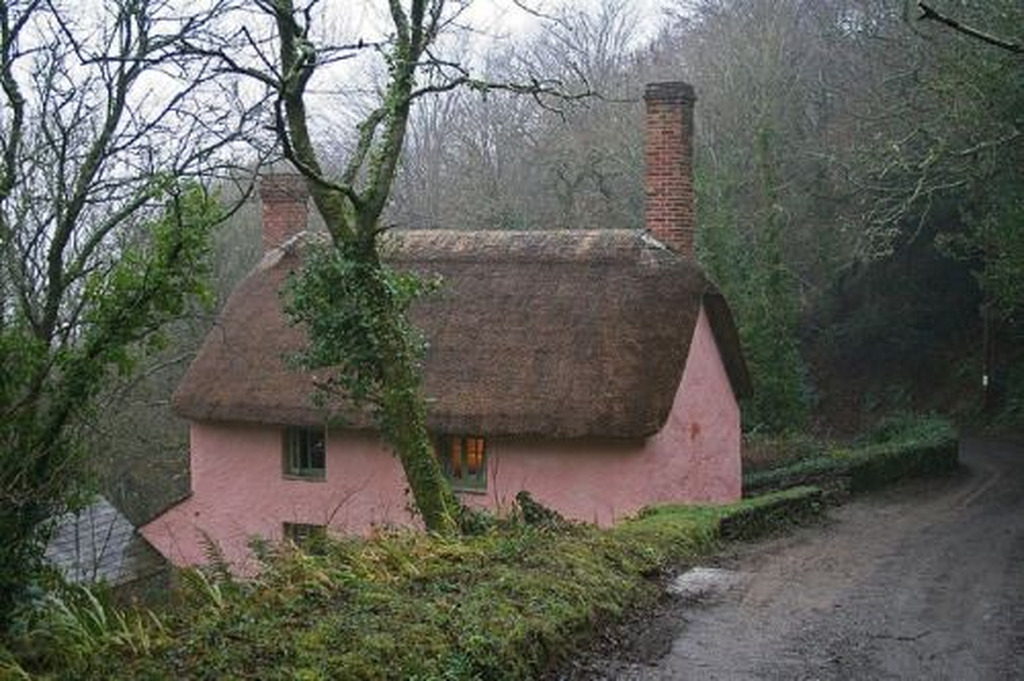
508 604
903 447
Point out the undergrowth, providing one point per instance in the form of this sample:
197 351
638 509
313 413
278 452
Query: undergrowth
506 604
68 629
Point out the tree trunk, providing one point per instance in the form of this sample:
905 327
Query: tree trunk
386 359
404 419
402 410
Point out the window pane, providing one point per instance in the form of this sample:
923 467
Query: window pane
303 439
305 453
455 458
464 461
305 535
293 439
317 450
302 451
474 455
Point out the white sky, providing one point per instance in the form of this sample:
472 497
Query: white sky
503 16
491 19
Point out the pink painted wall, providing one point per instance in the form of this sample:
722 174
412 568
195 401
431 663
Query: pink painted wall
239 490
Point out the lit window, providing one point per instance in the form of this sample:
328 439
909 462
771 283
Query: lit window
464 461
304 453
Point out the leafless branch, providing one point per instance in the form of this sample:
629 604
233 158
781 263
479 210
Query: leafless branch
533 11
930 13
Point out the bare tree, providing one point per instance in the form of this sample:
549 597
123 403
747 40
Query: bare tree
506 163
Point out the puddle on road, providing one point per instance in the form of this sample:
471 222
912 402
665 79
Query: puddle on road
700 582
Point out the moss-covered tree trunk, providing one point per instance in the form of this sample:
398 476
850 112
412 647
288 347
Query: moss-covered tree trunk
399 401
402 412
353 306
769 308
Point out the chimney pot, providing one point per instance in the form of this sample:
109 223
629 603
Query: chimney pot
668 176
284 199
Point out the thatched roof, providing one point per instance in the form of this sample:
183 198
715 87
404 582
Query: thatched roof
555 334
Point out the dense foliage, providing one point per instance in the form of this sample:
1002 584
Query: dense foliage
103 228
506 604
49 385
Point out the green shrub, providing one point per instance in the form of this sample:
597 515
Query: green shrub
72 629
505 604
907 428
899 447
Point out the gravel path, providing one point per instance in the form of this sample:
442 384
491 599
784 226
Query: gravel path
922 581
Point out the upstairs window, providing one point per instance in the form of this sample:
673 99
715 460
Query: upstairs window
305 453
464 461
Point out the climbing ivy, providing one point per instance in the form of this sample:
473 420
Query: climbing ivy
355 309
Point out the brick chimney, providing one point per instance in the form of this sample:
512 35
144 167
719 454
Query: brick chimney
284 197
668 175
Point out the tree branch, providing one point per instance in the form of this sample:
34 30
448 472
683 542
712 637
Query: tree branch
930 13
298 62
9 36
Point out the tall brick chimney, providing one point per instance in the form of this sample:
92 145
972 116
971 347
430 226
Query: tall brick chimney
668 175
284 197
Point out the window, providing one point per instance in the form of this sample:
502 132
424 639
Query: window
305 535
304 453
464 461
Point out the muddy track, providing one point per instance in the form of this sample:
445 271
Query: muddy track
922 581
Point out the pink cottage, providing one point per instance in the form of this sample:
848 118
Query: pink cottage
599 370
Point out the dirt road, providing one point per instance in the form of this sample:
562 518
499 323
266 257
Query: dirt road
922 581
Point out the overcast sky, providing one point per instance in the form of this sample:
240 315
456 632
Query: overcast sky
491 23
503 16
491 19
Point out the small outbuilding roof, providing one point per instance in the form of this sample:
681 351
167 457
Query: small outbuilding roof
560 334
99 544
